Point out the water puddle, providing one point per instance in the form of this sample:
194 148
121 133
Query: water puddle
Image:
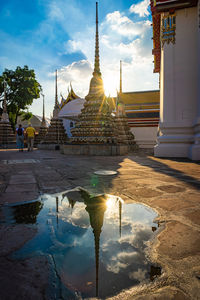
97 243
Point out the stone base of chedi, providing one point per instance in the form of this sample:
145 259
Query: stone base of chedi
7 137
55 135
123 132
40 136
96 149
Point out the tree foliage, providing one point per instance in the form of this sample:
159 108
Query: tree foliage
21 89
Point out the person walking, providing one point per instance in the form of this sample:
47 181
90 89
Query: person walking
20 138
30 134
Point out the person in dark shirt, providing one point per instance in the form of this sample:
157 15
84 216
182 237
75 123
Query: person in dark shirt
20 138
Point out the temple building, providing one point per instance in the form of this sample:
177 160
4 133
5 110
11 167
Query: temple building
35 121
70 109
176 37
142 110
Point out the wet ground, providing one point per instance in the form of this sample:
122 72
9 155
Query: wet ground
97 243
170 187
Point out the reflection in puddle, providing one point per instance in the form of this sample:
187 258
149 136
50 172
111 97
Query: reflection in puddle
97 243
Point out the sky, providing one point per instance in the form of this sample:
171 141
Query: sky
60 34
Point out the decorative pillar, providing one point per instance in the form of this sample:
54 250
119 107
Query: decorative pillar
179 84
194 153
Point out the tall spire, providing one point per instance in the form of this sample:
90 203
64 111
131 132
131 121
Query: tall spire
120 84
56 106
120 218
43 124
96 62
56 91
96 208
4 117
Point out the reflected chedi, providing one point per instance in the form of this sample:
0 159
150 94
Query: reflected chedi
96 208
90 256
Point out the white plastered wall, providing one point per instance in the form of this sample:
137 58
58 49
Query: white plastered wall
178 89
145 137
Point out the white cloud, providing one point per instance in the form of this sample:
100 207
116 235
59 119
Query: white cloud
141 8
139 275
124 26
55 12
79 74
77 216
121 38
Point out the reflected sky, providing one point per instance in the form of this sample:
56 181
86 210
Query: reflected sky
97 242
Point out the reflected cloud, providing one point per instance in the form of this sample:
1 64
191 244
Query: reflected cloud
127 250
78 217
139 275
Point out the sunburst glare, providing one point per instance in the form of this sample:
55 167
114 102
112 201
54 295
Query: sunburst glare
111 84
111 202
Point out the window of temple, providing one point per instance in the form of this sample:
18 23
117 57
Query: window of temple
71 124
168 29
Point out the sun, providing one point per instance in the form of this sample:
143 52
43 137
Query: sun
110 86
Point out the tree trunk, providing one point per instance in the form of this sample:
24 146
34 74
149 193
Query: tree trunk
17 113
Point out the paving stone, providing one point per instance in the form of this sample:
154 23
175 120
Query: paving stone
21 234
164 294
194 216
13 188
179 241
11 197
22 179
171 188
172 203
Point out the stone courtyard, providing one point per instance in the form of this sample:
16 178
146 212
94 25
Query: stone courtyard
170 186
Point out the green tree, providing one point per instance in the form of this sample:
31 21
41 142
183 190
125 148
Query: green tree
21 89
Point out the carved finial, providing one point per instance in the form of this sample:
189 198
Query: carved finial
96 63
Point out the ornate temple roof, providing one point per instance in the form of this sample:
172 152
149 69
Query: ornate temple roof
142 108
140 98
71 96
166 5
72 108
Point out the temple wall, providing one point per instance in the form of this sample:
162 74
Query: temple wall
145 137
179 71
195 148
179 88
